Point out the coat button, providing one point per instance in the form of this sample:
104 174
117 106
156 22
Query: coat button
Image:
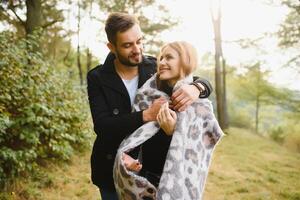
115 111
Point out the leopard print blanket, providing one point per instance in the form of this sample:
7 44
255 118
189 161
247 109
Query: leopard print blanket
186 167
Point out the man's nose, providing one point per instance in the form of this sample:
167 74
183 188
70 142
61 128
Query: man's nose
136 48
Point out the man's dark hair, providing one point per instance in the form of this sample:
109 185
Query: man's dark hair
118 22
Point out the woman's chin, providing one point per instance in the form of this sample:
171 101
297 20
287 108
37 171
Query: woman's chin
162 77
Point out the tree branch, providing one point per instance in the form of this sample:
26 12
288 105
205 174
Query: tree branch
18 17
51 23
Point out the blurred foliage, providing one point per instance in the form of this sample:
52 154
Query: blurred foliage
289 32
287 134
42 114
14 12
246 85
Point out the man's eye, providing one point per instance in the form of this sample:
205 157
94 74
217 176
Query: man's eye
139 42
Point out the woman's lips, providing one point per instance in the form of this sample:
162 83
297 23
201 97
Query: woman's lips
163 69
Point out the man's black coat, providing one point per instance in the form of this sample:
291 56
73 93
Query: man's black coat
111 112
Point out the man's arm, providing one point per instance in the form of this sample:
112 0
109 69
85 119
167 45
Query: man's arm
104 121
187 94
204 84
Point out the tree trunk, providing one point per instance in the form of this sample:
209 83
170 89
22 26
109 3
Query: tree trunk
218 86
257 114
34 15
219 83
257 103
226 117
88 59
78 45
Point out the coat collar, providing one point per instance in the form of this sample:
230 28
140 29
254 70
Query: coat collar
111 79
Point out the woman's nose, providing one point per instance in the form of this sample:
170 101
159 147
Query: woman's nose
162 61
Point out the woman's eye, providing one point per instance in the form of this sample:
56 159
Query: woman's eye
169 57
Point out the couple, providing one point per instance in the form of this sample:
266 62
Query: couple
112 88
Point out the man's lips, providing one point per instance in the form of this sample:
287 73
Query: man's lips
136 57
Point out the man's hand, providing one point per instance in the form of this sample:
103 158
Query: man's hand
185 96
167 119
150 114
131 164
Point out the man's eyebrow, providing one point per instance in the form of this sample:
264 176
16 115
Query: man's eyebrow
125 43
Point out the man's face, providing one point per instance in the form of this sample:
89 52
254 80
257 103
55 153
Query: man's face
129 46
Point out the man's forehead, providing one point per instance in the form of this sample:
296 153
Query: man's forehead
131 35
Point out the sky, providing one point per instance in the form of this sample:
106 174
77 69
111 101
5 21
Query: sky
241 19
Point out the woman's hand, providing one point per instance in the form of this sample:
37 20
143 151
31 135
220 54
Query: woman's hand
167 119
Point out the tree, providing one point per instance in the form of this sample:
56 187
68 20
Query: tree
40 15
254 88
220 74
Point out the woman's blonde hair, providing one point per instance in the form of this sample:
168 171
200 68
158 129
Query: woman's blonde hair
187 54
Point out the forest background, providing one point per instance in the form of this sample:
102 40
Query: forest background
249 51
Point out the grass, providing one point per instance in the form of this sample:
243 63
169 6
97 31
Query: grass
247 166
63 181
244 167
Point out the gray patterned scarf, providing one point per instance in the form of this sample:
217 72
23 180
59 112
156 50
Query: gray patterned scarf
187 163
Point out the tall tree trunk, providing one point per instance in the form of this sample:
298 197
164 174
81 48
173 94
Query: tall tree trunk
218 86
257 103
34 15
33 21
226 117
257 113
219 74
78 45
88 59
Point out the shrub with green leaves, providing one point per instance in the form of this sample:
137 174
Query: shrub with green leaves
42 114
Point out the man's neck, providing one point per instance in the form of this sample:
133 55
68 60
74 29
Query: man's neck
125 72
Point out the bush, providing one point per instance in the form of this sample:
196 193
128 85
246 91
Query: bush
292 141
288 135
42 115
277 134
239 117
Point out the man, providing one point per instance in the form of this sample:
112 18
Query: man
111 90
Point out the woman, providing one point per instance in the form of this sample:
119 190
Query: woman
172 165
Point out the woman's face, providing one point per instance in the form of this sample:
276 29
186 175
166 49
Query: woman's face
169 66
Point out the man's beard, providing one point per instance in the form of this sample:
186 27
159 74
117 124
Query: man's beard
126 61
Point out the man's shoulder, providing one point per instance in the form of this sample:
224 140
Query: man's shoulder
149 62
94 71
